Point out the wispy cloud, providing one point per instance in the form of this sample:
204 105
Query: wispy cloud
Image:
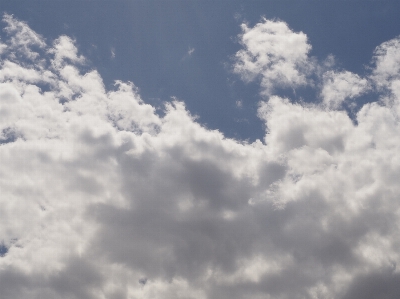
188 54
112 53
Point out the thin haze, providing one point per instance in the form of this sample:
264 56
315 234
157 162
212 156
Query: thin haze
104 196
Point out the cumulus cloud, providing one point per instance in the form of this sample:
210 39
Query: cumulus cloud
64 49
103 198
387 62
23 39
275 54
339 86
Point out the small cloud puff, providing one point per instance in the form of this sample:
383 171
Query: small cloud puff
275 54
188 54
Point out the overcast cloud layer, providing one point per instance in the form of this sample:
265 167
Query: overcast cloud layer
103 198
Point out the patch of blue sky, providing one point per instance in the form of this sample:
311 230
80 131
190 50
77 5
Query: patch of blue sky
3 250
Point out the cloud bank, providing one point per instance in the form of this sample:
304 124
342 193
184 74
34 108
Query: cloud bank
103 198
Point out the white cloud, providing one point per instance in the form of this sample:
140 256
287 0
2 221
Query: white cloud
63 49
275 54
387 69
23 39
387 62
99 193
339 86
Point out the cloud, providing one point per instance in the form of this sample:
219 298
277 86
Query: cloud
23 39
64 49
339 86
387 63
103 198
191 50
112 53
188 54
275 54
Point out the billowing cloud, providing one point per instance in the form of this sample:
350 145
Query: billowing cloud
22 38
275 54
339 86
103 198
387 62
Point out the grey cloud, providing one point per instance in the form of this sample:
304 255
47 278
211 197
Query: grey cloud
379 285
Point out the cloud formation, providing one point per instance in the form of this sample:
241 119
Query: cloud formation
103 198
339 86
275 54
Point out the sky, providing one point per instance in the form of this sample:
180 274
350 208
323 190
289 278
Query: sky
199 149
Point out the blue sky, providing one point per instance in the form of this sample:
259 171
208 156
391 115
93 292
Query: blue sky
199 149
